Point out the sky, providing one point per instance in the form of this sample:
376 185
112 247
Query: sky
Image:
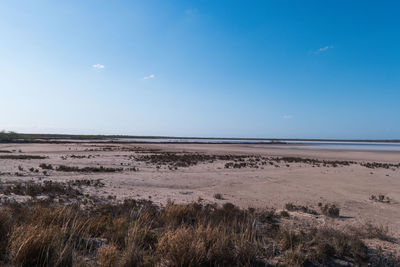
273 69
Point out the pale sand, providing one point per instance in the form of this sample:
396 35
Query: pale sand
350 187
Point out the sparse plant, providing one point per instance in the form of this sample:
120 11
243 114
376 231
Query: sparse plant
46 166
218 196
330 210
292 207
380 198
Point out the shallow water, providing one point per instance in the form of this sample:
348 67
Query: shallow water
345 145
194 140
375 146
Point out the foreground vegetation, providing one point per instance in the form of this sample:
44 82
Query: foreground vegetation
44 232
60 224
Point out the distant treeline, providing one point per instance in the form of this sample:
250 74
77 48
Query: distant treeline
6 137
13 137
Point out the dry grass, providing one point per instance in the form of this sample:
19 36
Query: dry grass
206 246
108 256
33 245
140 233
176 235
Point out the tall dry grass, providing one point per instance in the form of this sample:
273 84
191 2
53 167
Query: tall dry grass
139 233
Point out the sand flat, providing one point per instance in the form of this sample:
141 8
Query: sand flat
349 187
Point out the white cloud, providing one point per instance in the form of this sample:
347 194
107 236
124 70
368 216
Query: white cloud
287 117
98 66
151 76
323 49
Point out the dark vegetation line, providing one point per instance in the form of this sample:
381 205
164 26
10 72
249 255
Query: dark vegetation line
22 157
175 160
64 168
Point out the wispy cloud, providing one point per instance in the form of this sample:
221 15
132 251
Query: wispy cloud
151 76
287 117
98 66
323 49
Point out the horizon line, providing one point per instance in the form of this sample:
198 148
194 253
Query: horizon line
202 138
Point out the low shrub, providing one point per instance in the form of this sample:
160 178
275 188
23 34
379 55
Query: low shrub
292 207
218 196
330 210
380 198
46 166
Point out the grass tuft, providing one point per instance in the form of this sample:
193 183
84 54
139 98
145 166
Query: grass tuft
330 210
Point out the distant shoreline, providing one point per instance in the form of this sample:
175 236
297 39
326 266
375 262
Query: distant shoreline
31 137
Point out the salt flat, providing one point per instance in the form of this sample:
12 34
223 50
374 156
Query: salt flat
150 171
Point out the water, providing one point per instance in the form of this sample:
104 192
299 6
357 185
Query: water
341 145
374 146
194 140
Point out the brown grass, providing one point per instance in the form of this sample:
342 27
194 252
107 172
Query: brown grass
139 233
33 245
108 256
206 246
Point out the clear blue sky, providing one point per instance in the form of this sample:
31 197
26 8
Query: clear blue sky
286 69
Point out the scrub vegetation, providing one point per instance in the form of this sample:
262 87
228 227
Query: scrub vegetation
43 231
